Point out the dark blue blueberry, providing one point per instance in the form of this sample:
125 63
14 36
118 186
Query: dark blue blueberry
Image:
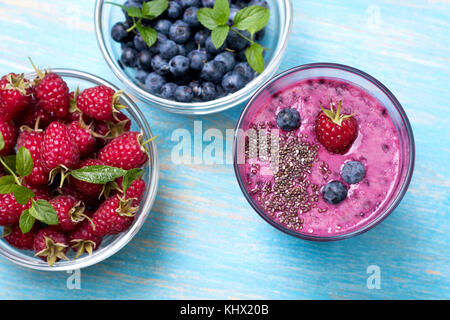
182 50
236 42
201 36
155 47
184 94
245 70
208 3
233 81
211 48
190 17
233 11
262 3
228 60
129 44
163 26
154 82
189 3
179 65
196 87
183 80
288 119
141 75
174 10
353 172
145 60
213 71
334 192
139 43
119 32
260 34
208 91
179 31
197 59
129 57
168 49
160 65
241 56
168 90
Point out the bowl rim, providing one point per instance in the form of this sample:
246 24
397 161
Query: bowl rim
207 107
148 198
405 182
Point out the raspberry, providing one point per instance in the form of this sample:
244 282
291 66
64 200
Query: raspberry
52 94
135 190
50 245
9 133
19 240
10 209
30 116
70 212
100 102
91 190
82 137
14 95
83 240
32 140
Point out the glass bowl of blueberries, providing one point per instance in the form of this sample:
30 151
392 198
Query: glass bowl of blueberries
193 56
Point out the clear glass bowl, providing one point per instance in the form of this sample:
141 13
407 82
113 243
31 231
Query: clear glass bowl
367 83
110 244
276 38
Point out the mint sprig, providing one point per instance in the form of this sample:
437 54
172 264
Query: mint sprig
252 19
98 174
150 10
129 177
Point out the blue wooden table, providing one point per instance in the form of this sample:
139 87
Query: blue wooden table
203 240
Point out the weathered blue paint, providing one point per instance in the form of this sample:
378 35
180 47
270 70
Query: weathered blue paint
203 240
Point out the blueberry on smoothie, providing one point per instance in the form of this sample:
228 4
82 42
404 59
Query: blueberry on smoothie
288 119
353 172
334 192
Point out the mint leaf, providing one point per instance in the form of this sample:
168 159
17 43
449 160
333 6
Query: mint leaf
153 9
149 35
5 180
129 177
2 141
26 221
252 18
98 174
255 58
219 35
221 11
44 211
24 162
207 18
22 194
10 161
131 11
6 188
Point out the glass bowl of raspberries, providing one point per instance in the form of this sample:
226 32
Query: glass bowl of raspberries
193 56
79 169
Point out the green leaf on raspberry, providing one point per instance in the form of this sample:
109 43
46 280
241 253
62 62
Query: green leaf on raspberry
336 117
149 35
99 174
2 141
43 211
219 35
22 194
6 180
10 161
24 162
255 59
130 176
26 221
153 9
134 12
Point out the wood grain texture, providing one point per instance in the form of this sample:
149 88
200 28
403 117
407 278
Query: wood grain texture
202 239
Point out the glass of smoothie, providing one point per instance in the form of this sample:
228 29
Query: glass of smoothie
323 152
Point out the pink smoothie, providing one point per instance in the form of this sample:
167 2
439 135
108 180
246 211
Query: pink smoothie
301 207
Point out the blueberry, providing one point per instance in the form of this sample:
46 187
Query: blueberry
236 42
184 94
183 80
179 31
353 172
196 87
163 26
168 49
334 192
168 90
201 36
233 81
129 57
145 60
197 58
213 71
228 60
161 39
154 82
233 11
188 3
245 70
179 65
141 75
208 91
190 17
211 48
160 65
119 32
208 3
139 43
174 10
129 44
262 3
288 119
260 34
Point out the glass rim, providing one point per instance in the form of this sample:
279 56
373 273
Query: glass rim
146 205
206 107
405 183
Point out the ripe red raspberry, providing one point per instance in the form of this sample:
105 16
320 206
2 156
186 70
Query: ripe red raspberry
58 149
10 209
115 215
52 94
125 151
14 95
100 102
83 240
69 190
30 116
9 133
135 190
108 130
91 190
19 240
70 212
50 245
81 135
32 140
334 131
